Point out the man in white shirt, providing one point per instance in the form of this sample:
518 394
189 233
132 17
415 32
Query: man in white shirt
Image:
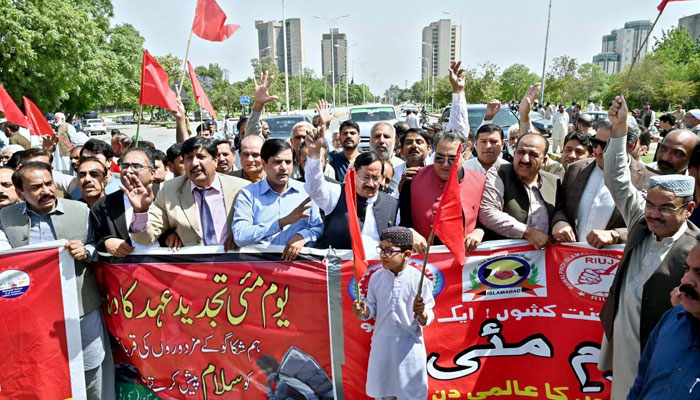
412 119
560 129
591 106
489 146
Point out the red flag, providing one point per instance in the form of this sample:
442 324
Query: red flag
663 4
448 224
210 22
155 90
199 93
38 125
12 112
358 249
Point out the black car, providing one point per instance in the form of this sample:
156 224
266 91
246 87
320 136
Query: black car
505 118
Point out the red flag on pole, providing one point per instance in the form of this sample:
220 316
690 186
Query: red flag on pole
662 6
210 22
448 224
155 90
199 93
38 125
12 112
358 249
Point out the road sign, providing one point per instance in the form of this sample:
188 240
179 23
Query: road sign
245 99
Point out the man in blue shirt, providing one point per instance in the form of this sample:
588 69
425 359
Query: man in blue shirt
670 364
340 160
276 210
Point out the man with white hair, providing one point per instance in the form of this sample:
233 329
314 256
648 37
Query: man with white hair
8 151
691 121
382 140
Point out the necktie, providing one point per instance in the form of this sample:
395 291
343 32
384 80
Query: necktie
206 219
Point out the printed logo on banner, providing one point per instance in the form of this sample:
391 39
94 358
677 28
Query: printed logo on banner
504 277
13 283
589 275
431 272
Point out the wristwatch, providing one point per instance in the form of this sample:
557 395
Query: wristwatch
616 236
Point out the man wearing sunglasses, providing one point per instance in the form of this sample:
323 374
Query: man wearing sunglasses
587 210
659 240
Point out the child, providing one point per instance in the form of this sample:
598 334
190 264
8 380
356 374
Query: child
396 367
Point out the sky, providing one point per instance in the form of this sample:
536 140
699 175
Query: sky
387 33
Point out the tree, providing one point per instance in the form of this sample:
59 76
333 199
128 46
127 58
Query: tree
560 80
515 80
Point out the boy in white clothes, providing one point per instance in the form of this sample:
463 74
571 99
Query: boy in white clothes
397 358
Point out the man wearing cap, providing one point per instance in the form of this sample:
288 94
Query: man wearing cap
659 240
587 212
691 120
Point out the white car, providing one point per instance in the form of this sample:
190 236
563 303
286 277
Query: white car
95 126
367 116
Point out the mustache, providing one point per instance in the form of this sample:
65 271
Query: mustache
689 291
665 164
47 197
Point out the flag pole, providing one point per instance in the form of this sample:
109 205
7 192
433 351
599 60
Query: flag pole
184 68
357 285
639 50
425 261
138 125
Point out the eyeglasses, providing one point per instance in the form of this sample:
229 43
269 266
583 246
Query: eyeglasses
367 178
387 252
667 210
441 159
136 167
595 143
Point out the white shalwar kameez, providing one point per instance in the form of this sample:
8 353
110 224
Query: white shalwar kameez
397 360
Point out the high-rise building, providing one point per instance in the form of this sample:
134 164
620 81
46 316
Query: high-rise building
620 46
340 55
270 42
692 24
444 46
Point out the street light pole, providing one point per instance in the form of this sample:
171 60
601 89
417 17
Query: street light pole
432 76
286 70
544 61
347 51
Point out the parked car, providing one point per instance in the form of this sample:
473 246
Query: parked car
125 119
505 117
95 126
541 124
367 116
281 125
597 116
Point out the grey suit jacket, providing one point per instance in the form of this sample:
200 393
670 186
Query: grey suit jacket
69 225
575 179
174 208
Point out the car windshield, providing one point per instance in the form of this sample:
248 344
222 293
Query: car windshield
282 126
94 121
372 114
535 116
503 118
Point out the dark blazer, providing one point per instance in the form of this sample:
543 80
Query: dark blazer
108 219
655 295
575 180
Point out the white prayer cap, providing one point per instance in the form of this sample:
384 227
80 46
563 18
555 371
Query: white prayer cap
695 113
680 185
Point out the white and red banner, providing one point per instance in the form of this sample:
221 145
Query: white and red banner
513 321
41 356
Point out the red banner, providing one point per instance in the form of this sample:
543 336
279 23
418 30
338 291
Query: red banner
37 296
223 326
514 322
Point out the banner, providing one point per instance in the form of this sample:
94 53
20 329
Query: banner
196 325
39 325
513 322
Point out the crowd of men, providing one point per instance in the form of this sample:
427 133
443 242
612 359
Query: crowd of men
212 190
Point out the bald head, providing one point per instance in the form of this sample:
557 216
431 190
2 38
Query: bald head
585 122
674 151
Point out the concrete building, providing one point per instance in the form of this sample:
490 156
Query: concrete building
270 42
692 24
620 46
445 39
340 56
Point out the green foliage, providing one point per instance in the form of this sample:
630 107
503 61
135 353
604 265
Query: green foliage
515 80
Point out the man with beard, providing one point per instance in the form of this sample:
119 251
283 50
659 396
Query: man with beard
12 132
112 214
383 140
416 144
586 210
198 206
226 158
8 195
44 218
691 120
376 210
92 179
260 205
489 146
668 368
251 164
673 152
659 240
350 139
